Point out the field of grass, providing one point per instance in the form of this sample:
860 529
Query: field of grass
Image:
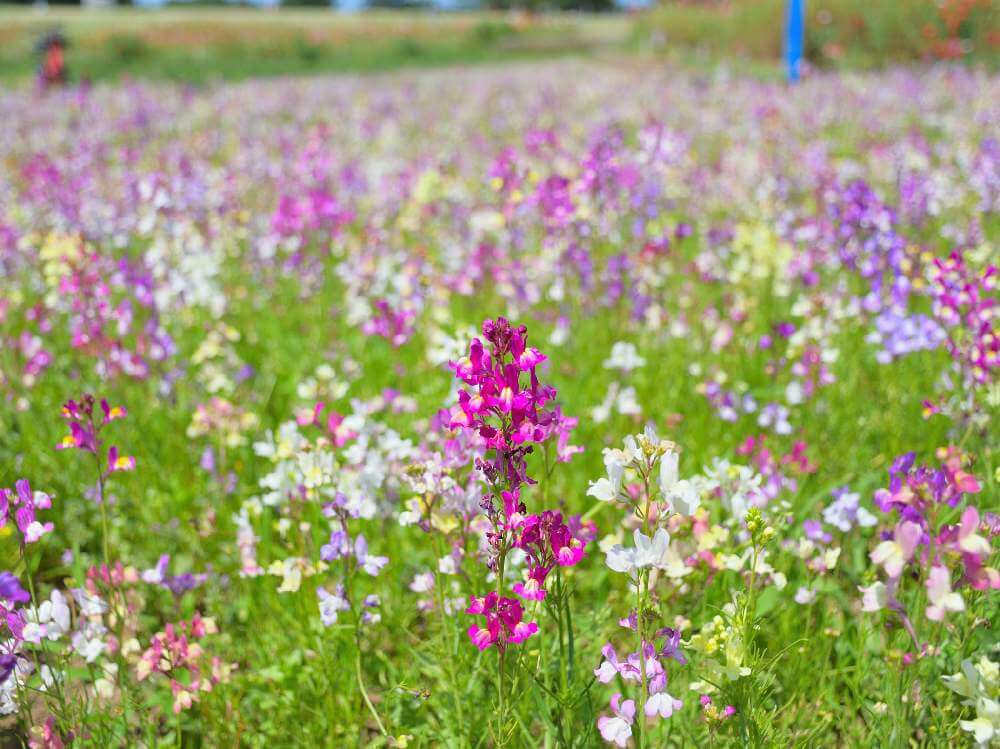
197 45
277 471
202 44
839 33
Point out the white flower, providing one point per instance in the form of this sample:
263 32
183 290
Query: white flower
105 686
673 565
668 471
90 605
89 642
874 597
941 597
624 356
683 495
608 489
805 596
290 573
646 553
662 704
621 399
316 468
628 403
602 490
447 566
978 684
794 393
423 582
982 728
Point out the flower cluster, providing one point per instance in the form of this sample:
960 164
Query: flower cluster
646 458
504 621
643 477
21 505
506 407
547 541
635 667
979 684
508 413
85 430
176 654
966 304
922 499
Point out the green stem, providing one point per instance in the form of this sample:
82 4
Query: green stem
640 712
446 626
501 718
361 686
120 614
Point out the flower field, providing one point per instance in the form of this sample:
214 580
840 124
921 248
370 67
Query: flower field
563 405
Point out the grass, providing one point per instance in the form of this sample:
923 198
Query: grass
197 45
839 33
201 44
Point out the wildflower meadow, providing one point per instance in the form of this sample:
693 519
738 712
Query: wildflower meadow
569 404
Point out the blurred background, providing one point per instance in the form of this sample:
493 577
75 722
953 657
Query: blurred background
199 42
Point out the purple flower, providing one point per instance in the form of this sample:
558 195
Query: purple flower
370 564
338 547
814 531
671 645
330 604
846 511
7 663
11 590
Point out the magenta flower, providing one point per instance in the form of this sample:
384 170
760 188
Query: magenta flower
84 431
508 413
533 589
504 621
118 462
506 406
566 549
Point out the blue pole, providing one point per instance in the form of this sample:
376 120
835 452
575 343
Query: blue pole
795 38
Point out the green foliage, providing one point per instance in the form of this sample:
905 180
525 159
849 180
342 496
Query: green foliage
839 33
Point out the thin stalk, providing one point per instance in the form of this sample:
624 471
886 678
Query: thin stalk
120 614
500 700
361 685
446 625
640 723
